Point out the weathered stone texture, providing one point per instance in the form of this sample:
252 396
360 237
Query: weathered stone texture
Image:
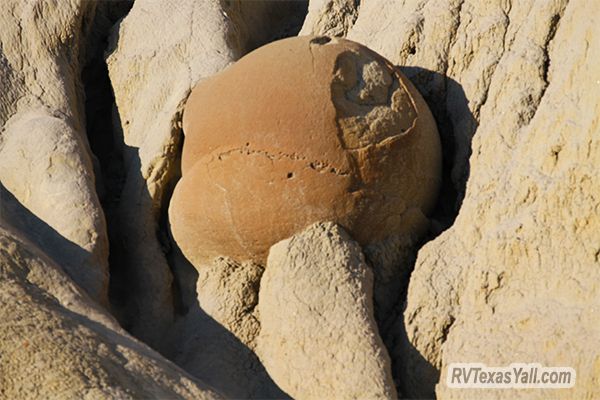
45 162
56 342
330 17
316 310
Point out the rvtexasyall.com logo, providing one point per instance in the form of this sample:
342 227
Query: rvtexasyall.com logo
514 376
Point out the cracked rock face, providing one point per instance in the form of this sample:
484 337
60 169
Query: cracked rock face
303 130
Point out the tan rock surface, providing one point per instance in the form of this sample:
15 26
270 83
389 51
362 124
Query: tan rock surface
55 342
45 161
228 292
330 17
318 337
516 277
352 142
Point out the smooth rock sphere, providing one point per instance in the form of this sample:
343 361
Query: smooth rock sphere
302 130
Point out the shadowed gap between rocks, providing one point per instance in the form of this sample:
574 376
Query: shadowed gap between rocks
205 348
99 104
453 188
391 323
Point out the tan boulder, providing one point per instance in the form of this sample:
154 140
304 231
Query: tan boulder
318 337
299 131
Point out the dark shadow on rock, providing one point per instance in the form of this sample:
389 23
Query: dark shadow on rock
61 250
109 165
266 21
99 98
415 377
457 126
185 277
141 279
208 350
211 353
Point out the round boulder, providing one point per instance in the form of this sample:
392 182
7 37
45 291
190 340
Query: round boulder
302 130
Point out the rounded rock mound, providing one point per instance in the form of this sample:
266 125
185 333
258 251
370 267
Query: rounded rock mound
302 130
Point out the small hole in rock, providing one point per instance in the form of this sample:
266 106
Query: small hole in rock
321 40
290 175
412 49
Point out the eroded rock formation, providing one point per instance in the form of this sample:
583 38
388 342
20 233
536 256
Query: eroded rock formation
57 342
516 276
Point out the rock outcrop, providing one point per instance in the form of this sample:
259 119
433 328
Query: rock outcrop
340 135
45 162
58 343
516 276
316 310
228 292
